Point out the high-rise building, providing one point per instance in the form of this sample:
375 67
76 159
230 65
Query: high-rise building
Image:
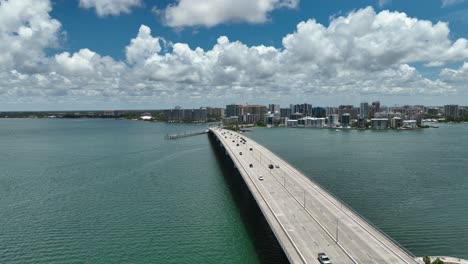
247 113
215 112
285 112
396 123
259 110
173 115
188 115
349 109
361 123
451 111
274 109
319 112
271 119
462 111
346 120
199 115
333 120
234 110
305 109
376 106
331 110
379 123
433 111
364 110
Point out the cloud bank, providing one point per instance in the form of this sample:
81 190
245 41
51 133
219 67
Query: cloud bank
359 54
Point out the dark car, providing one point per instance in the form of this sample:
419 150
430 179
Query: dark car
323 258
271 166
251 165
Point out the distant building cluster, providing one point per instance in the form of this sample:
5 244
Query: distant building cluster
185 115
245 114
215 113
367 115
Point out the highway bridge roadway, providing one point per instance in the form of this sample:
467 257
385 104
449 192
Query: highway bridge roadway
304 217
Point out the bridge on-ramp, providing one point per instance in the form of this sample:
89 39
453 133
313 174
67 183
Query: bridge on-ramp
305 218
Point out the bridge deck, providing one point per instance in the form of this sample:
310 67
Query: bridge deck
305 218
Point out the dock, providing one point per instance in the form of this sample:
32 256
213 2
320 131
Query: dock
185 134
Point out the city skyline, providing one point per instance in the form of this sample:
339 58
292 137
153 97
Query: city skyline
137 54
383 106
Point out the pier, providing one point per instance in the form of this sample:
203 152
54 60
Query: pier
305 218
185 134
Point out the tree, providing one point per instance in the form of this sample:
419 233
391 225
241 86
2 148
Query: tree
426 260
260 123
438 261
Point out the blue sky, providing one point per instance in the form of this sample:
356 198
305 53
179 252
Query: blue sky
110 35
116 54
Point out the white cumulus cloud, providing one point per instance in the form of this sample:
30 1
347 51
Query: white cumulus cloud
363 53
87 63
26 29
373 40
143 46
110 7
209 13
459 75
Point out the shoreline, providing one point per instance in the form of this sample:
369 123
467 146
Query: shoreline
445 259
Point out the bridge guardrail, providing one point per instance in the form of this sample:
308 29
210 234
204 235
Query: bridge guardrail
348 207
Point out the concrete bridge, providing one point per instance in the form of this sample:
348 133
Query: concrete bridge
304 217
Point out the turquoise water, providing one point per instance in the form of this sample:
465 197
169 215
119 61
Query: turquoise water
108 191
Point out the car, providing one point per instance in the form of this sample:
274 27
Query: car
251 165
323 258
270 166
240 153
237 144
277 166
251 149
260 177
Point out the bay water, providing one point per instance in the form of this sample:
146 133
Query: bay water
115 191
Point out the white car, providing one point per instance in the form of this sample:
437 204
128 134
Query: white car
323 258
260 177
